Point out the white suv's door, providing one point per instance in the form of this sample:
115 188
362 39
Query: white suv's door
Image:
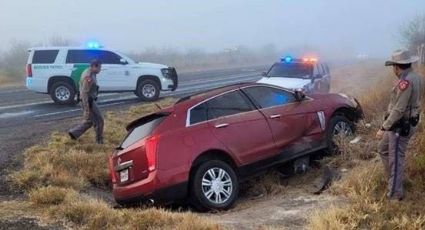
114 75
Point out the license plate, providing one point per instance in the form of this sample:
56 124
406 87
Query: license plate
124 175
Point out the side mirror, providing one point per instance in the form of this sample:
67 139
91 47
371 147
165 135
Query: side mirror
299 95
264 74
123 61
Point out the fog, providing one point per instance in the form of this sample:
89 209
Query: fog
329 27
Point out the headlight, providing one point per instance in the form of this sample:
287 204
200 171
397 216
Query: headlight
166 72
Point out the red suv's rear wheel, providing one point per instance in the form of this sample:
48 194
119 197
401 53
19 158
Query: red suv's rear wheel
214 186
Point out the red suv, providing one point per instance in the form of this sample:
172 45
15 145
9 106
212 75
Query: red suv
204 145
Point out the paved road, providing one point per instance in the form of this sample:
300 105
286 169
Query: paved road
27 117
19 105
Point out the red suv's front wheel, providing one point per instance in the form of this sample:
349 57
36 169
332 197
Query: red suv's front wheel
214 186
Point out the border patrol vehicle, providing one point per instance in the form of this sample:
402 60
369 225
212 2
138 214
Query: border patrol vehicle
307 74
57 71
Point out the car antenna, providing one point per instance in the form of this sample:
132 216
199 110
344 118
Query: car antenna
159 107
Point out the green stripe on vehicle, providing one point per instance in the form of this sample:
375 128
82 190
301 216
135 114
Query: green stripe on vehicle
76 73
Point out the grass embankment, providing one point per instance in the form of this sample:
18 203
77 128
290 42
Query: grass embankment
55 174
6 81
365 185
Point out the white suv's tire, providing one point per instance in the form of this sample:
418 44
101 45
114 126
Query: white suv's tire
148 90
62 93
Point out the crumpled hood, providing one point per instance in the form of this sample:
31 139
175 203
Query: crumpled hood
151 65
285 82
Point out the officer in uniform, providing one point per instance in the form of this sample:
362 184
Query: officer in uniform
88 95
400 121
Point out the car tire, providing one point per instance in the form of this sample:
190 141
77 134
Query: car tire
62 93
208 193
338 125
148 90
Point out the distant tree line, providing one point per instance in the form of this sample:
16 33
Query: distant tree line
14 59
413 35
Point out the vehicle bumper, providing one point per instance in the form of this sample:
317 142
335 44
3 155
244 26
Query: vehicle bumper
358 111
148 190
35 84
170 83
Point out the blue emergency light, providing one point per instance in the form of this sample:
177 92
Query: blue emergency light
93 45
287 59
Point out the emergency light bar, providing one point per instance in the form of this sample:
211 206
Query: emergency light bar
93 45
286 59
289 59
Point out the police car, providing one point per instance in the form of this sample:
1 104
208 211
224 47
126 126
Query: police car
307 74
57 71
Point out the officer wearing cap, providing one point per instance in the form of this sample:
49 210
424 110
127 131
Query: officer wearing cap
400 121
91 113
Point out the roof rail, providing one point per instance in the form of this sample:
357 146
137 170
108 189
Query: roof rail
207 90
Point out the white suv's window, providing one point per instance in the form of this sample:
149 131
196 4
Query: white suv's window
86 56
44 56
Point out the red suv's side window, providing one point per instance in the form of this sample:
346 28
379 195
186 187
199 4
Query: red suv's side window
228 104
224 105
266 97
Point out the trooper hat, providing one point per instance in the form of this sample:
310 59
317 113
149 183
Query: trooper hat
401 56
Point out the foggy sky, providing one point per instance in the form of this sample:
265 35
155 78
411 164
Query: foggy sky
334 26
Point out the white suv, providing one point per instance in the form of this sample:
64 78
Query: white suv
57 71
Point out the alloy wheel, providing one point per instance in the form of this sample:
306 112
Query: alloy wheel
217 185
62 93
148 91
342 129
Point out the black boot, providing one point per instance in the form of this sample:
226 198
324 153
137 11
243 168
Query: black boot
99 141
71 135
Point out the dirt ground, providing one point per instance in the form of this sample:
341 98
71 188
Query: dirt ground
288 209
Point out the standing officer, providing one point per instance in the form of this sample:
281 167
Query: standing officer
400 121
91 113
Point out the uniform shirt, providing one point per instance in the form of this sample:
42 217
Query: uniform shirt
405 99
88 85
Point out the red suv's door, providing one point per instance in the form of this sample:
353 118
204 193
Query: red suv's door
286 116
240 127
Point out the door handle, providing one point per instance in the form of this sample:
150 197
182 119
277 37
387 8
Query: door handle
221 125
275 116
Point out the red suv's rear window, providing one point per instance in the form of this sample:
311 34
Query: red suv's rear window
141 128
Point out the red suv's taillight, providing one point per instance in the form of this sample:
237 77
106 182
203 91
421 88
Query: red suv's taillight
29 70
151 150
111 170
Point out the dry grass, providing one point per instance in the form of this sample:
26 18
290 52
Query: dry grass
55 173
7 81
365 186
82 211
76 164
50 195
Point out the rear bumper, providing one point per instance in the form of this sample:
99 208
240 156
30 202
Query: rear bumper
148 189
36 84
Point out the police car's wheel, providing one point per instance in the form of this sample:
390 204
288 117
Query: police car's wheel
214 186
148 90
62 93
